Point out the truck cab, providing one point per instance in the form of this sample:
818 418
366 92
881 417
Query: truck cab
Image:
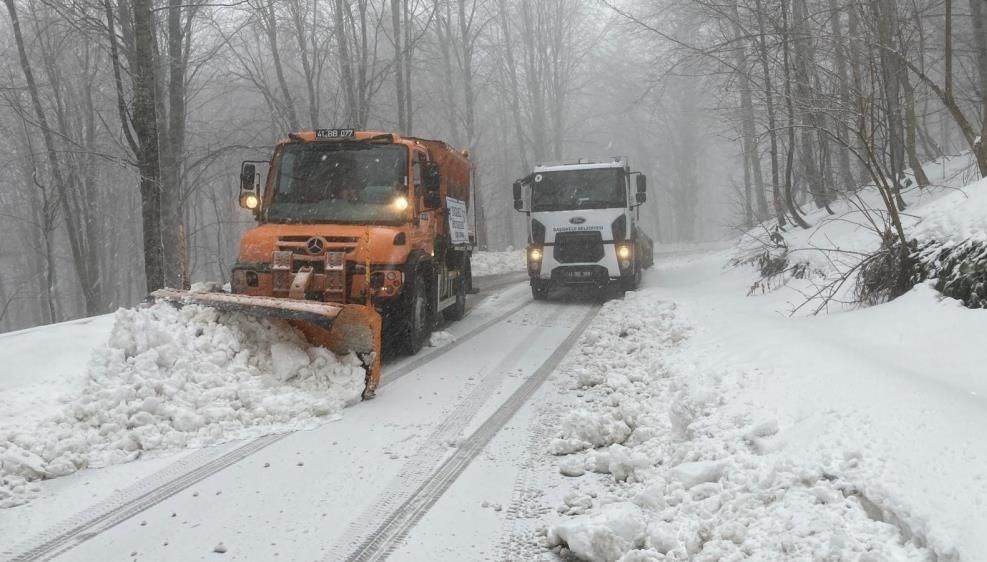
583 225
361 217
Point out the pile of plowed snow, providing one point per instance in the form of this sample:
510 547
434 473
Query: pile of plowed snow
666 465
171 378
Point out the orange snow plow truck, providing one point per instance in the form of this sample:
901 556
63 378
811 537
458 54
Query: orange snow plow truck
362 239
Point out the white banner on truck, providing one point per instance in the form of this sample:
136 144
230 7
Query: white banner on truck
458 226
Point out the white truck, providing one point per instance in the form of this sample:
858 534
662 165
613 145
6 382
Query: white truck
583 225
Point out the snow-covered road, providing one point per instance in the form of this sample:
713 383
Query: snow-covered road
685 422
339 491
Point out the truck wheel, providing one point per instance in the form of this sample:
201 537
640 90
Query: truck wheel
469 277
457 311
631 283
415 318
539 291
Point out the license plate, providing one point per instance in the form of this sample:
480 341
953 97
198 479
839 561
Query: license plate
334 133
580 274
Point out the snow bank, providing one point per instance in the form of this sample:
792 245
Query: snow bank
960 216
947 219
695 477
171 378
495 263
952 244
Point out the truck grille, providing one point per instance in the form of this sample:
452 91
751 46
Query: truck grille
578 247
298 246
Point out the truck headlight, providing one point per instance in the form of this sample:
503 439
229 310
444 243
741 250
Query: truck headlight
535 254
249 201
624 252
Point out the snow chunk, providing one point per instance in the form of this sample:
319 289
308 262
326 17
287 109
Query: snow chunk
287 360
603 535
694 473
583 429
625 462
439 339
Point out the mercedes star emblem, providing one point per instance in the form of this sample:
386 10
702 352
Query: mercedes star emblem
315 245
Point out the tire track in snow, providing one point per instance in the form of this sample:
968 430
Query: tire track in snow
182 474
134 499
385 537
527 498
437 445
416 362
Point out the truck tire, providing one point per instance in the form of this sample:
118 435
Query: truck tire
539 291
415 323
631 283
468 272
457 311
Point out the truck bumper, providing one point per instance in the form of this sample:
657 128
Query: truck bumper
549 271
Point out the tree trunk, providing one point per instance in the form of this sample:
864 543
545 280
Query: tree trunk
752 158
776 196
345 65
786 64
146 130
466 36
884 14
806 116
856 70
443 31
311 87
173 147
979 26
288 105
511 71
839 59
398 65
911 126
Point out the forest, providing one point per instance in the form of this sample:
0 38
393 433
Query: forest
123 122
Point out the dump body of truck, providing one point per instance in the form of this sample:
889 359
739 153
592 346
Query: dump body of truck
583 225
360 235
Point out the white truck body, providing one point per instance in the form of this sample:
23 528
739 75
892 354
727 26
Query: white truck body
583 225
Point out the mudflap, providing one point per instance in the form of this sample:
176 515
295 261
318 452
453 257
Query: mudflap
341 328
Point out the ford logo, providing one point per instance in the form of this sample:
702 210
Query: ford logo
577 220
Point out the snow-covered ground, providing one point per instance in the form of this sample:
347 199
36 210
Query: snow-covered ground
689 421
722 430
495 263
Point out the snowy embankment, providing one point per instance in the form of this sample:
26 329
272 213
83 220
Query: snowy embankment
952 237
170 378
718 426
686 470
495 263
945 220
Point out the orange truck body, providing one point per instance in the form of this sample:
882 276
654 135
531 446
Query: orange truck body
344 281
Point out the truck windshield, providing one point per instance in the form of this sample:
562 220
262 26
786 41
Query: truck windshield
333 182
578 189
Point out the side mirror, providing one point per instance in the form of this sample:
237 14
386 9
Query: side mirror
432 184
518 201
642 184
248 173
641 197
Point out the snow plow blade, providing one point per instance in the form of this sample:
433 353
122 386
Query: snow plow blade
341 328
